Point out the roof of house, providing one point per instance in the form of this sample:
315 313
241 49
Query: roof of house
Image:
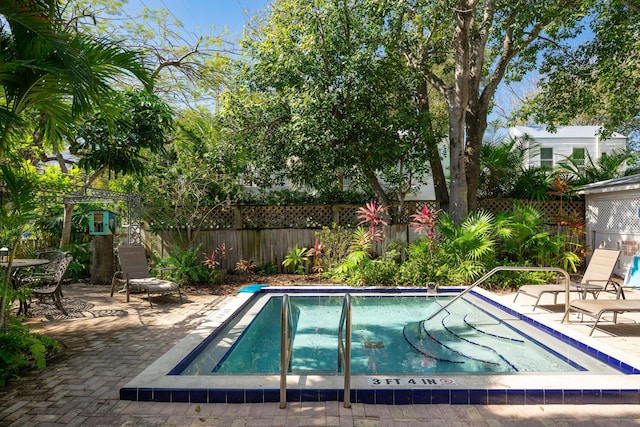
538 132
630 182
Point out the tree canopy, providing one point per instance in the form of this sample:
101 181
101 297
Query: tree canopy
325 95
598 79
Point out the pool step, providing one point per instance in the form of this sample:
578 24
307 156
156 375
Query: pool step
421 342
457 337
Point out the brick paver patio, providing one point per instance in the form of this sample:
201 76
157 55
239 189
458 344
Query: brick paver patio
111 341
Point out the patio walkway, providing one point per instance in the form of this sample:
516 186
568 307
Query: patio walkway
108 342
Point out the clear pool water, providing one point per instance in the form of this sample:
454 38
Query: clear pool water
390 336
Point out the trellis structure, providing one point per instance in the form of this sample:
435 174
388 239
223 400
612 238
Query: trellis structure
133 212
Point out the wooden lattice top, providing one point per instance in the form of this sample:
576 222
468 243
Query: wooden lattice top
317 216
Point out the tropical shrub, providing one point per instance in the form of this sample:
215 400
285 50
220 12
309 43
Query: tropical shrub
188 267
22 349
468 249
375 272
267 269
80 267
335 241
296 260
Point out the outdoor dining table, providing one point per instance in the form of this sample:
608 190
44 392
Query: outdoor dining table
16 266
19 263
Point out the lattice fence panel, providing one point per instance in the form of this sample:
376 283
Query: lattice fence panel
411 208
348 215
220 217
621 214
286 216
551 209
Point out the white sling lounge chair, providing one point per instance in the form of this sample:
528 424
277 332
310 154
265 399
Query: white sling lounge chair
597 308
596 278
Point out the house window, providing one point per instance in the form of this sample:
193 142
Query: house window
578 157
546 157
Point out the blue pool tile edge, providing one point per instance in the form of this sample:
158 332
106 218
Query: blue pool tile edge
390 397
623 367
453 396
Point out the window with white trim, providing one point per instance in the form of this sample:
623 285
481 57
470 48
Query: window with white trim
578 156
546 157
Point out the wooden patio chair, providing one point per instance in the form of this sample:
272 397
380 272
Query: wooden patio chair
134 275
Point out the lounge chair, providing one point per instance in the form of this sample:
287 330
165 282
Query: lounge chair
42 285
596 308
596 279
134 275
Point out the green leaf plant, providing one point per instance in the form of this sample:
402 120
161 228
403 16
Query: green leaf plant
296 260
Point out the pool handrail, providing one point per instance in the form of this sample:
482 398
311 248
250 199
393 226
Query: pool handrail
567 279
286 343
344 348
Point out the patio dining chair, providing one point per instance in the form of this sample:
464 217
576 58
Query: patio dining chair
44 285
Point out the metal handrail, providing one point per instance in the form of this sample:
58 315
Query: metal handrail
286 342
344 348
511 268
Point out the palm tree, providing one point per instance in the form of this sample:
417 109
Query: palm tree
57 73
17 212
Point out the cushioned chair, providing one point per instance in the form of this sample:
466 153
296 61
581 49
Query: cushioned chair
134 275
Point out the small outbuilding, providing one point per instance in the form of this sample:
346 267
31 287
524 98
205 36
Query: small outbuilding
612 214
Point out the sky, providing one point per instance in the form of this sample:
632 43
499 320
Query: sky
206 16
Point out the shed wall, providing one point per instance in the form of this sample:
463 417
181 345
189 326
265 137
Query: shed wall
613 222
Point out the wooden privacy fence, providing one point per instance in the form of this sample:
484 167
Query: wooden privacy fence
265 234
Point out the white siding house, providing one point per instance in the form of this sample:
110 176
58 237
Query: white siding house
612 214
548 149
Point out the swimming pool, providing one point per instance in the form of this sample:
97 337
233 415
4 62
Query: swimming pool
389 334
459 356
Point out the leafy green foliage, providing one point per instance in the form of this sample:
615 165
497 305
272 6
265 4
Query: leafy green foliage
80 267
324 95
267 269
21 349
461 253
189 269
18 210
62 74
143 122
597 81
296 260
374 272
335 241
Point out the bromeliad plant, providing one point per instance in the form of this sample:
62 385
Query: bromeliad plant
317 253
424 222
373 215
211 260
363 239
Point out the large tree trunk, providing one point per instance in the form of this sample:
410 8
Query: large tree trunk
102 261
437 171
476 126
377 188
66 224
458 203
457 102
